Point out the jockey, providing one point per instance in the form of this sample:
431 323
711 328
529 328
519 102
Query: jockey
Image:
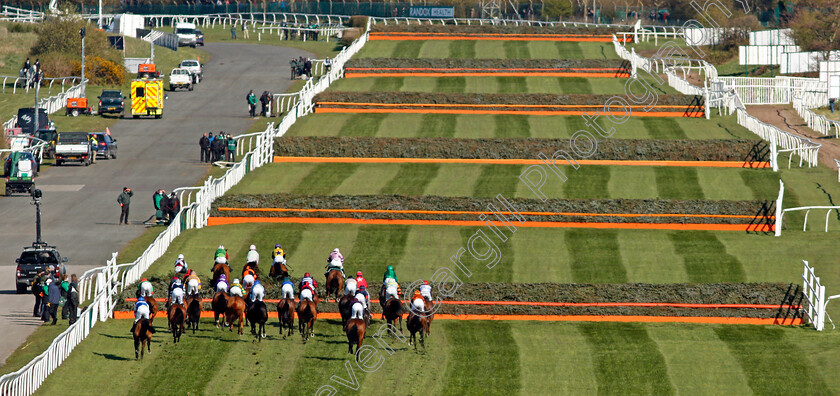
307 279
279 259
252 258
350 286
222 260
193 283
181 265
360 280
389 273
221 284
248 277
363 297
145 288
173 281
426 291
278 251
257 291
176 295
391 289
222 252
357 309
307 292
418 303
236 288
335 261
141 310
287 288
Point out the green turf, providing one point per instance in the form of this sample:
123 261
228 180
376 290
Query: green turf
362 124
512 126
437 125
450 84
466 375
706 259
475 126
490 49
663 128
516 50
587 182
487 84
462 49
595 256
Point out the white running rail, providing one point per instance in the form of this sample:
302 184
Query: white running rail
815 298
819 123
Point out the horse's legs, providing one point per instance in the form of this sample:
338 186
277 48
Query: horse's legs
136 350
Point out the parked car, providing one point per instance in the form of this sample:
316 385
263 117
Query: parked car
111 101
186 34
180 78
106 146
26 120
199 37
73 146
33 260
195 68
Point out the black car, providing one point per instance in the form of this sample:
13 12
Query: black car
35 259
26 120
106 146
111 101
199 38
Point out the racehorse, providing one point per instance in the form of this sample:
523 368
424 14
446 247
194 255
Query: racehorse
193 311
393 310
278 270
219 305
307 312
177 314
345 308
258 315
355 334
218 270
286 314
417 323
235 310
153 309
143 337
334 283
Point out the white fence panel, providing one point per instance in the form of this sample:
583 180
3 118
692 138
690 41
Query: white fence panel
772 37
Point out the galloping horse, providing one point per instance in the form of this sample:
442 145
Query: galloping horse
334 283
258 315
218 270
278 270
177 314
153 309
307 312
235 310
355 334
345 309
219 306
286 313
417 323
193 311
393 310
143 337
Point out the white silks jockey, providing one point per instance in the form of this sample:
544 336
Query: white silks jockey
236 288
418 303
363 296
181 265
145 288
306 292
287 288
357 309
350 286
176 296
257 292
391 288
252 258
426 291
141 309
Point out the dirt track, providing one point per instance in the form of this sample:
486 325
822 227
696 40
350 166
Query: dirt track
785 118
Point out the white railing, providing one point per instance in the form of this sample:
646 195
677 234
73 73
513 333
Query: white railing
102 284
477 21
682 85
819 123
807 209
806 150
23 82
815 298
14 14
778 90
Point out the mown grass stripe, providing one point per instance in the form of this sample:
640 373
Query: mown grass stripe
496 179
678 183
763 184
627 361
575 85
411 179
387 84
554 360
705 258
324 179
591 182
450 84
438 125
596 256
362 125
462 49
663 128
407 49
568 50
484 359
770 362
512 126
516 50
511 85
502 271
377 247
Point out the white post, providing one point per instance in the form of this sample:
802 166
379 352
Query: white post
779 210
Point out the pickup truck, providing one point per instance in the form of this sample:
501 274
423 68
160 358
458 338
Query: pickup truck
34 259
195 68
73 146
180 78
111 101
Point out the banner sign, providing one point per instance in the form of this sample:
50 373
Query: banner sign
431 12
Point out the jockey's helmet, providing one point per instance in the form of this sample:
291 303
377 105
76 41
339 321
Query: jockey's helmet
256 282
306 275
362 287
140 299
221 246
180 257
425 282
277 246
144 280
336 250
236 281
359 273
253 247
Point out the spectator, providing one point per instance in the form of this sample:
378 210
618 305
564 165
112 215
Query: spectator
172 207
94 147
27 65
831 105
124 200
73 299
307 67
204 144
263 103
218 146
45 291
231 148
157 198
233 32
252 103
37 66
245 30
210 148
65 295
54 298
327 65
293 67
38 291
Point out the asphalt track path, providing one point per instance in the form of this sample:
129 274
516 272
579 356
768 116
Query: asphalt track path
79 211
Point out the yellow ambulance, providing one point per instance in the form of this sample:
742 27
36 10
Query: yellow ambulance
147 98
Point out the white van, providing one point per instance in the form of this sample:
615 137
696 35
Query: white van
186 34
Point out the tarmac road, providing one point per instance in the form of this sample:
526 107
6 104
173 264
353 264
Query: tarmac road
79 209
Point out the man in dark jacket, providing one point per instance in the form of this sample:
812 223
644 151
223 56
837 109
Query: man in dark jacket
307 67
124 200
219 144
264 103
204 143
38 291
73 299
53 298
173 205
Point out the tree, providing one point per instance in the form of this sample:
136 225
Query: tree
554 9
814 25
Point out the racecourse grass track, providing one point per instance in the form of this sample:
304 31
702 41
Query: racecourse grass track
487 50
516 358
509 126
471 180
